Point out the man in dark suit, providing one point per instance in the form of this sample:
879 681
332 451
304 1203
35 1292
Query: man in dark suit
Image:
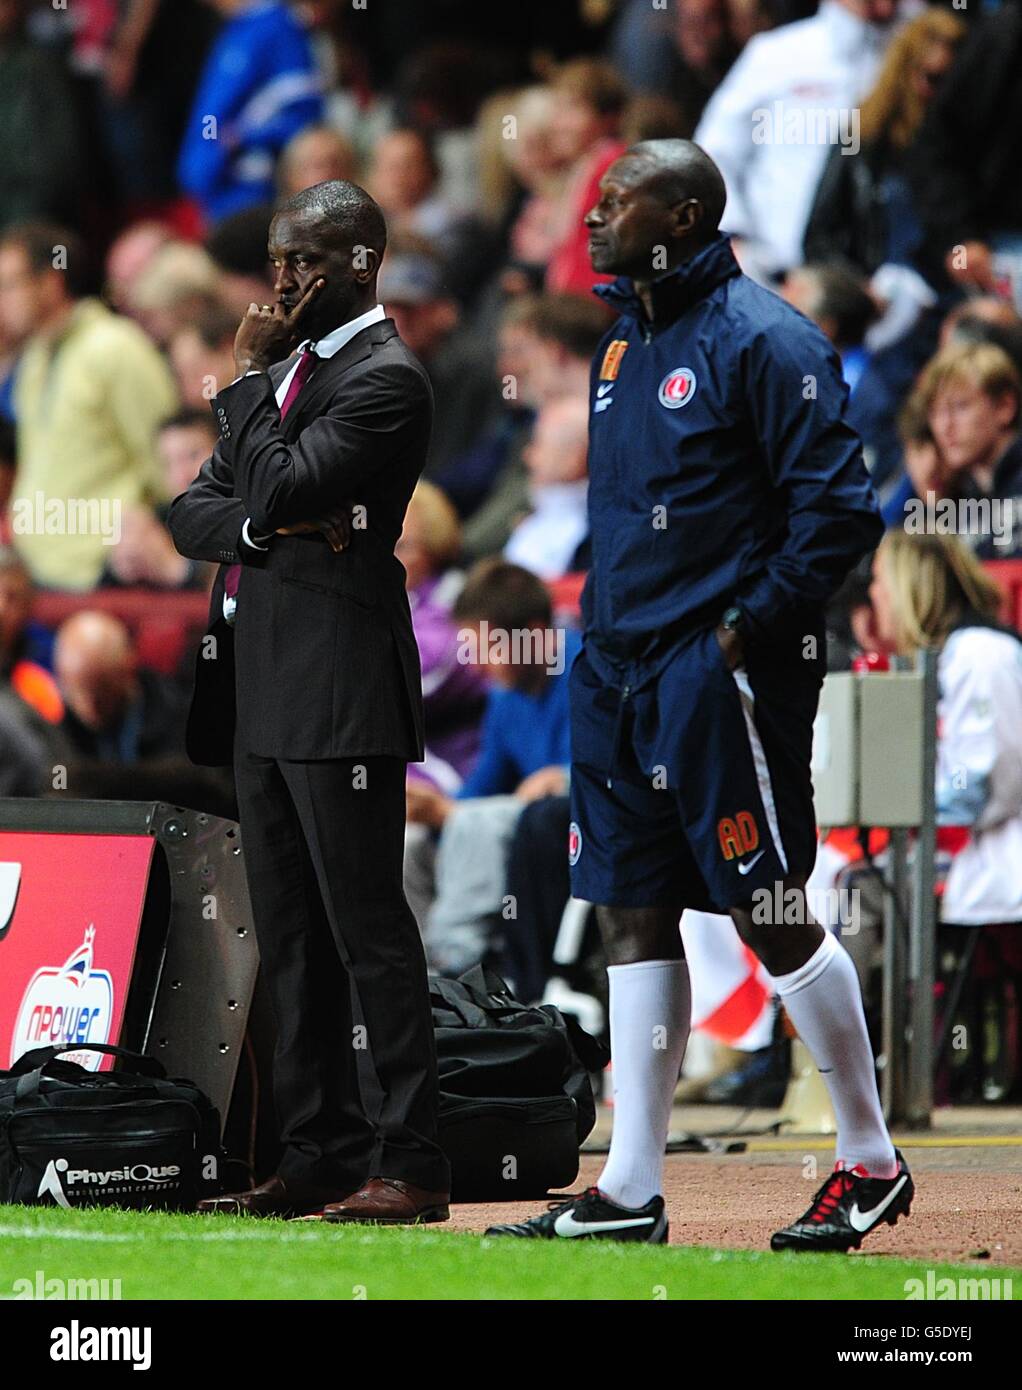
310 673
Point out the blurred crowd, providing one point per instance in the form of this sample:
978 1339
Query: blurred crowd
873 181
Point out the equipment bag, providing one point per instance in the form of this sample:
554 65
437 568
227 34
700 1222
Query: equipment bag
70 1137
515 1096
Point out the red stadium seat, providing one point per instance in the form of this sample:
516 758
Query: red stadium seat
565 594
1008 574
163 625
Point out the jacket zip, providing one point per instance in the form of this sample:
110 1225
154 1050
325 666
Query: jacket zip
618 726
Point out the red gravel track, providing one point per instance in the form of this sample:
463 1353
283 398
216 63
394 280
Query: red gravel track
967 1201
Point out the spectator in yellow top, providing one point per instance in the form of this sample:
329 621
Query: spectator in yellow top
90 392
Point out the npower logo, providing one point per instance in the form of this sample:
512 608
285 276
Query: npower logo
67 1004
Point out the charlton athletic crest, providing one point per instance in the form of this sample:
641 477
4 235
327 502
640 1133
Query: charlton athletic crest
677 388
574 842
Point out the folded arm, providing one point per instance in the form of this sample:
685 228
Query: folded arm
207 520
281 482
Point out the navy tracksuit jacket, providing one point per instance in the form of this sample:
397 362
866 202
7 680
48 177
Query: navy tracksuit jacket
722 470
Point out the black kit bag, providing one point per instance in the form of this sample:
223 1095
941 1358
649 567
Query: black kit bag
131 1138
516 1100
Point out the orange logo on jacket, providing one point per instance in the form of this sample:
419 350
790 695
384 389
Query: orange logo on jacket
612 360
738 835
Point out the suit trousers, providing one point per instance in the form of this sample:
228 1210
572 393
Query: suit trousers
323 842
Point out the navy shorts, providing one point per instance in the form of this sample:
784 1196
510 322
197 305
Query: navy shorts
694 790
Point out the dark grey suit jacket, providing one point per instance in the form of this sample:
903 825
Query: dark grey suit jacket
321 661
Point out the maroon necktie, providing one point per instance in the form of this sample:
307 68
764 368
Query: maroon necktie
306 366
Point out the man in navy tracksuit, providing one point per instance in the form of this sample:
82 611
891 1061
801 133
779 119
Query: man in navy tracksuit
728 499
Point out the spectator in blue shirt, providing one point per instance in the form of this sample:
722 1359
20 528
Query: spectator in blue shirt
259 88
457 850
505 628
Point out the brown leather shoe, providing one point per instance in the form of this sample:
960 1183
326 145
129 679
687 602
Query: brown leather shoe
271 1198
390 1202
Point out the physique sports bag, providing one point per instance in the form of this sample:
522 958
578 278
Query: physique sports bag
515 1096
132 1138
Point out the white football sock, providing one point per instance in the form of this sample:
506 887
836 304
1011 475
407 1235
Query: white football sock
824 1003
650 1013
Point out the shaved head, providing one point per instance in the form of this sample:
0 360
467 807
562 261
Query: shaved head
679 170
95 665
333 232
351 213
659 204
100 636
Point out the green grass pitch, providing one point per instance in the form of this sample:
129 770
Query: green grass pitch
161 1256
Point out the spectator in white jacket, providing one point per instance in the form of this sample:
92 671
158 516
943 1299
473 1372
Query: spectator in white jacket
931 591
551 540
772 123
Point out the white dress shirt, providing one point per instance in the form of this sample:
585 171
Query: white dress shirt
332 343
327 346
546 541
